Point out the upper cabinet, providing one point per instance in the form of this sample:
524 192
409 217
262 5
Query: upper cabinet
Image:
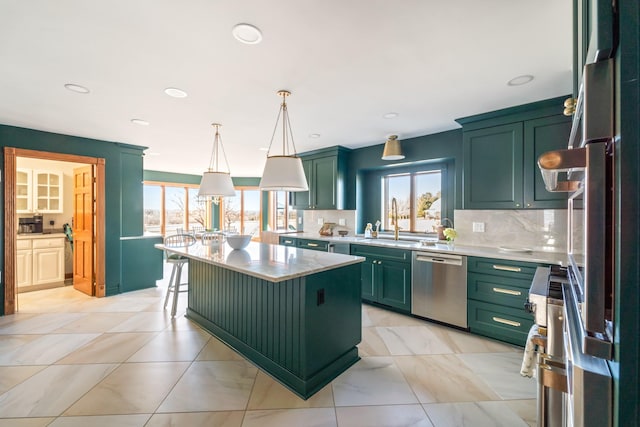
326 172
501 151
24 193
47 191
39 191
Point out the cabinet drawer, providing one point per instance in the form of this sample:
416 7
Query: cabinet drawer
288 241
23 244
506 268
499 322
316 245
381 253
56 242
498 290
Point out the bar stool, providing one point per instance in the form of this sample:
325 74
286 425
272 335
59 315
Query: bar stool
178 261
212 238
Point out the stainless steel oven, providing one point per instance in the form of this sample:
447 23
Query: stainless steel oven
588 295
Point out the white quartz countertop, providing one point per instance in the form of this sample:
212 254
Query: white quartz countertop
269 262
478 251
40 235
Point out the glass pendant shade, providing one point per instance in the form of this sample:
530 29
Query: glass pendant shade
284 172
392 149
216 183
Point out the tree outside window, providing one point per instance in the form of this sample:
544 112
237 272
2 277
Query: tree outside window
419 199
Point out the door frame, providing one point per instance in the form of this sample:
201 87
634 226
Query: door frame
10 218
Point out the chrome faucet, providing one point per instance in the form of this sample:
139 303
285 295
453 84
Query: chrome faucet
394 218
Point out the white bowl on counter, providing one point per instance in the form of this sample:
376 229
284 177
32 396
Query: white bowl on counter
238 241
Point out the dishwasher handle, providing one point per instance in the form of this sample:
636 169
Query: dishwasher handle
438 258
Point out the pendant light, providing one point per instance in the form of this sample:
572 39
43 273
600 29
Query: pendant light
216 183
392 149
283 172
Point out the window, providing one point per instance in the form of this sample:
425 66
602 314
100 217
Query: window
169 207
282 218
242 213
419 199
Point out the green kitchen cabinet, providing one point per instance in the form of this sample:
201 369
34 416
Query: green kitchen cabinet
493 167
314 245
501 150
542 135
497 290
385 276
288 241
325 171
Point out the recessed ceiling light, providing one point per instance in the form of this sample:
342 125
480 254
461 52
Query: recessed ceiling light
314 135
76 88
175 92
247 34
263 148
152 153
520 80
390 115
140 122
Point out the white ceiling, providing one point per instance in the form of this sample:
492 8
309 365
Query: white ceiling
346 62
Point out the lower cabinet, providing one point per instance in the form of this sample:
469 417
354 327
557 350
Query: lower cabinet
496 291
385 276
315 245
288 241
40 261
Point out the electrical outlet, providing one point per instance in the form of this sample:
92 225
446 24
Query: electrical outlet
299 220
342 221
320 221
478 227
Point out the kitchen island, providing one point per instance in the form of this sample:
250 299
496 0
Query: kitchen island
295 313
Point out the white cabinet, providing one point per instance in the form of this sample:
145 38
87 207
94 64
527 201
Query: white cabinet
47 189
24 263
39 191
40 261
24 193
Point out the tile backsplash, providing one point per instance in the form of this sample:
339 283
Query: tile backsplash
312 217
540 230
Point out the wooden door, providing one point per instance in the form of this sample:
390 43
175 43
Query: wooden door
83 230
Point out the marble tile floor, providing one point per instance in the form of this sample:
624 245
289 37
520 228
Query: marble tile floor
70 360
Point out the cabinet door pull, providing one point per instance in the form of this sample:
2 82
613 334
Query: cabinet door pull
313 245
507 291
507 268
506 321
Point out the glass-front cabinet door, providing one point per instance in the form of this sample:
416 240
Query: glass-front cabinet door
24 196
48 191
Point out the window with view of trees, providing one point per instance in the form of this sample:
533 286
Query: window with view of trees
242 213
419 199
282 218
169 207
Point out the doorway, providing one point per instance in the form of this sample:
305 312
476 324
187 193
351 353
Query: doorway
10 235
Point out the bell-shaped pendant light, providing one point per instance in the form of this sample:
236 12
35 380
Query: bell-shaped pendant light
283 172
392 149
216 183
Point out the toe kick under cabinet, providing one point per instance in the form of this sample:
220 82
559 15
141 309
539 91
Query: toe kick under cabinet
497 290
40 262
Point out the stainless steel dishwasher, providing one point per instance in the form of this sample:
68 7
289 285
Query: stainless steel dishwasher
439 287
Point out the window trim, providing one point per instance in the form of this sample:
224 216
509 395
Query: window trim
163 208
241 189
442 167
